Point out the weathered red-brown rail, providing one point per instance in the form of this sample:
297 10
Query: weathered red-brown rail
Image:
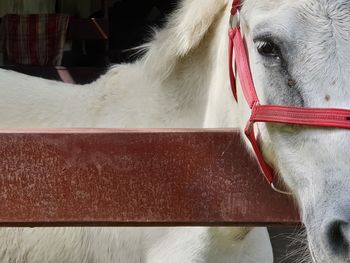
126 177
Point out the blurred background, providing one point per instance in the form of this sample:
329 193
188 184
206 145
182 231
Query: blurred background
99 32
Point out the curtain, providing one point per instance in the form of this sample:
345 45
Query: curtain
34 39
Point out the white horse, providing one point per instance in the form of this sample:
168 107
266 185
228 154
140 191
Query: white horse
299 53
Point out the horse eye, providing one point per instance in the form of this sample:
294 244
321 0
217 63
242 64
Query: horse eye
268 49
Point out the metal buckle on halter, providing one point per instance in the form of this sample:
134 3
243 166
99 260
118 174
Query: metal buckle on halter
235 20
249 132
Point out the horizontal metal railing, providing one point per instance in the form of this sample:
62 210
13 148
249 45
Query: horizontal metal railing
134 178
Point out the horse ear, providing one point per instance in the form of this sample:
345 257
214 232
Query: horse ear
184 31
192 21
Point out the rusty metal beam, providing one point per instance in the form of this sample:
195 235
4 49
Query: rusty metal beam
126 177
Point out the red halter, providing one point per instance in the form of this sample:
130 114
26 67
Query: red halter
318 117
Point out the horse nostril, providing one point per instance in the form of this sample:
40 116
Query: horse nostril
338 238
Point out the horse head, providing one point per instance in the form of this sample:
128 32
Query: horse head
299 55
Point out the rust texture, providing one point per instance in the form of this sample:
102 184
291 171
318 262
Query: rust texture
111 177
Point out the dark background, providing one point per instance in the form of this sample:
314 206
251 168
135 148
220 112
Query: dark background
131 23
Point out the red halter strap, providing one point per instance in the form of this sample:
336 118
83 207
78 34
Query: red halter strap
317 117
235 6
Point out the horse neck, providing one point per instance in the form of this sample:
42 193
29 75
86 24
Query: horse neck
197 84
182 80
221 111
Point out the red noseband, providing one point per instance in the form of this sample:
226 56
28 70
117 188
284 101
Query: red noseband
317 117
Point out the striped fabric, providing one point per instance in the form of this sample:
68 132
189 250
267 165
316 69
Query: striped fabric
34 39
